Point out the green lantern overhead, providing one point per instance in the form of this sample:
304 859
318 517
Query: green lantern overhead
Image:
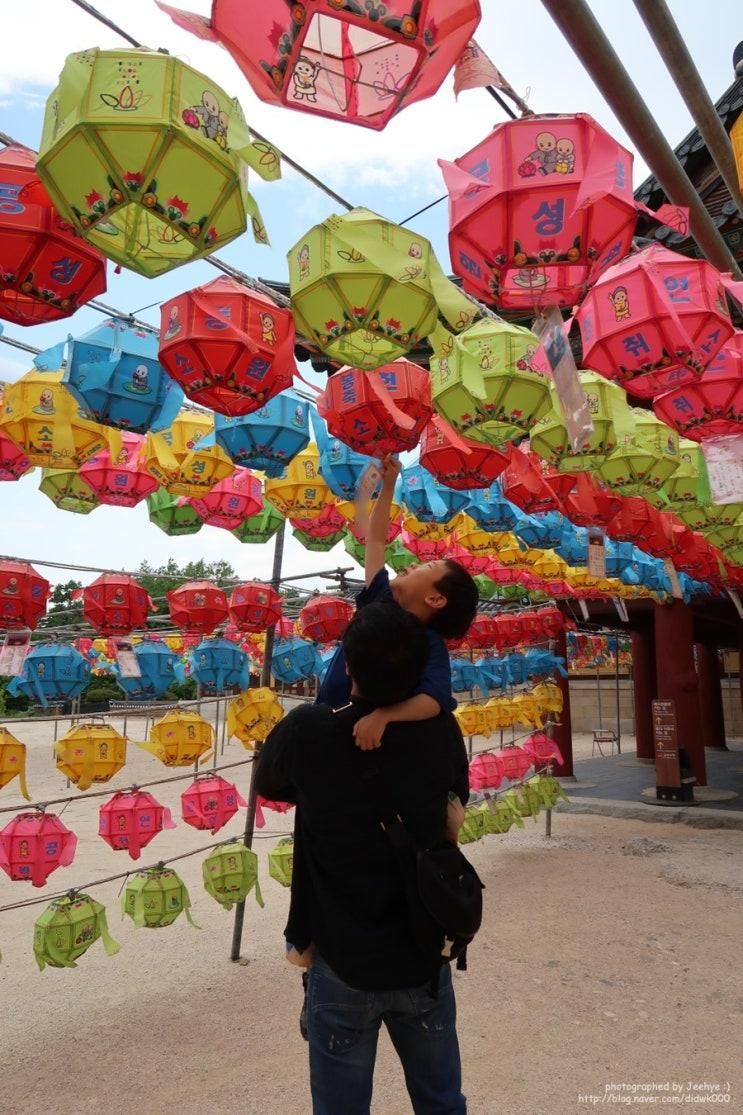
260 527
67 929
318 545
281 861
644 459
156 897
67 491
607 405
173 515
366 291
148 159
485 383
230 872
688 485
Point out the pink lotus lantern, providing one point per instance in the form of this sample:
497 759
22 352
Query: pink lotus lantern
115 604
13 461
711 406
524 483
324 618
255 607
231 501
123 481
486 771
352 61
379 412
426 549
131 819
262 803
210 802
473 563
33 845
539 209
197 607
327 523
590 503
542 749
515 763
456 462
654 321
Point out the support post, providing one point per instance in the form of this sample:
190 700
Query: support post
711 712
618 695
563 732
645 686
278 557
677 678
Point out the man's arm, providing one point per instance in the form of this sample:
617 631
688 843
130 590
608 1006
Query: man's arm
379 520
275 776
369 730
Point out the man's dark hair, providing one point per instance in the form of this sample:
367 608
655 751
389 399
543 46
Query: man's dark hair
386 651
454 619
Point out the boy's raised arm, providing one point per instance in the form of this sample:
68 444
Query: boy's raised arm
379 520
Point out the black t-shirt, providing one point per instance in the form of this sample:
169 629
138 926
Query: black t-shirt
348 890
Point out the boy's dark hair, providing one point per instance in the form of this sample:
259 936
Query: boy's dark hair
386 650
454 619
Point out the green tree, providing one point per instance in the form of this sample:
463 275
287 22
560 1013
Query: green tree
62 610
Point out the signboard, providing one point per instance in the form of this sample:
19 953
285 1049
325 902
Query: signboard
596 553
672 781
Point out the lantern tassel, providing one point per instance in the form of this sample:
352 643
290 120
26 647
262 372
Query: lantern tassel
110 946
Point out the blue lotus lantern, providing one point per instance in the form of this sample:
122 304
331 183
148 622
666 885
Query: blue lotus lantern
573 544
340 467
269 438
159 668
543 530
294 660
428 501
492 511
219 665
51 672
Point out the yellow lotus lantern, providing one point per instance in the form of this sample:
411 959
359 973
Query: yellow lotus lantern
185 458
13 761
486 543
41 417
644 459
179 738
426 532
148 159
366 291
90 753
548 565
252 715
301 492
607 405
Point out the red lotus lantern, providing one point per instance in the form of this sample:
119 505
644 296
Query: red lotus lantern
231 501
590 503
13 461
639 522
131 819
473 563
115 604
255 606
711 406
197 607
229 347
23 595
486 771
122 481
210 802
47 271
361 63
538 209
33 845
551 622
483 632
654 321
262 803
327 523
378 412
523 483
695 556
515 762
324 618
426 549
456 462
509 630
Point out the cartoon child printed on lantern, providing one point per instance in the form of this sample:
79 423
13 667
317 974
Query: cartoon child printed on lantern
174 325
23 848
304 78
122 823
221 136
208 114
620 303
103 751
118 596
309 470
545 153
122 458
140 382
415 250
299 416
303 258
46 402
565 163
11 589
191 731
199 600
268 329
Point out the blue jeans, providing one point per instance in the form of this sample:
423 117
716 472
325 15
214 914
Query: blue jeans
344 1026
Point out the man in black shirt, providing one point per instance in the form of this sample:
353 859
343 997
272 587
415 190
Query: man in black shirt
349 898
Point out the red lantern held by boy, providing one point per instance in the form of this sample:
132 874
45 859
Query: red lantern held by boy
379 412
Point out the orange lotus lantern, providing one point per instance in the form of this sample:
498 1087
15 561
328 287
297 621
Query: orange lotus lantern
23 595
115 604
378 412
197 607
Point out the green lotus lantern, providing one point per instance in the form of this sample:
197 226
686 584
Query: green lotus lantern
67 929
486 587
260 527
172 514
148 159
281 861
484 381
728 539
398 557
67 491
366 291
155 897
644 459
319 545
607 405
230 872
548 790
503 815
688 485
708 517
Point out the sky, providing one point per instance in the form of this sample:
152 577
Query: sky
393 172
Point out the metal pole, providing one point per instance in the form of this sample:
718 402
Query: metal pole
278 557
673 50
584 34
598 692
616 674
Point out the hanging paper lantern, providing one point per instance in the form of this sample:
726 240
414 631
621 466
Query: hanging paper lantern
172 514
254 606
33 845
486 771
542 749
644 459
13 462
590 503
358 64
378 412
67 491
294 659
301 491
184 458
269 438
397 556
281 861
426 549
324 618
131 819
42 419
261 527
688 484
456 462
550 439
115 604
483 632
115 375
229 347
119 481
121 186
180 738
543 530
253 714
23 595
197 606
427 500
348 510
231 501
155 897
327 524
365 290
340 466
67 929
319 545
210 802
491 511
485 382
13 762
230 873
654 321
218 666
51 673
47 270
711 406
473 563
90 753
524 484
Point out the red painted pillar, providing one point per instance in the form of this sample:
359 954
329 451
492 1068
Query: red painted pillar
645 685
562 733
677 678
710 697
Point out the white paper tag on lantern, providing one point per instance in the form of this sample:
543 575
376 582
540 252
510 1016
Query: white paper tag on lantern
550 328
673 577
724 459
13 653
126 659
596 554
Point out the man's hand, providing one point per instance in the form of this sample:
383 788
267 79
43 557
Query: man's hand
454 820
369 730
